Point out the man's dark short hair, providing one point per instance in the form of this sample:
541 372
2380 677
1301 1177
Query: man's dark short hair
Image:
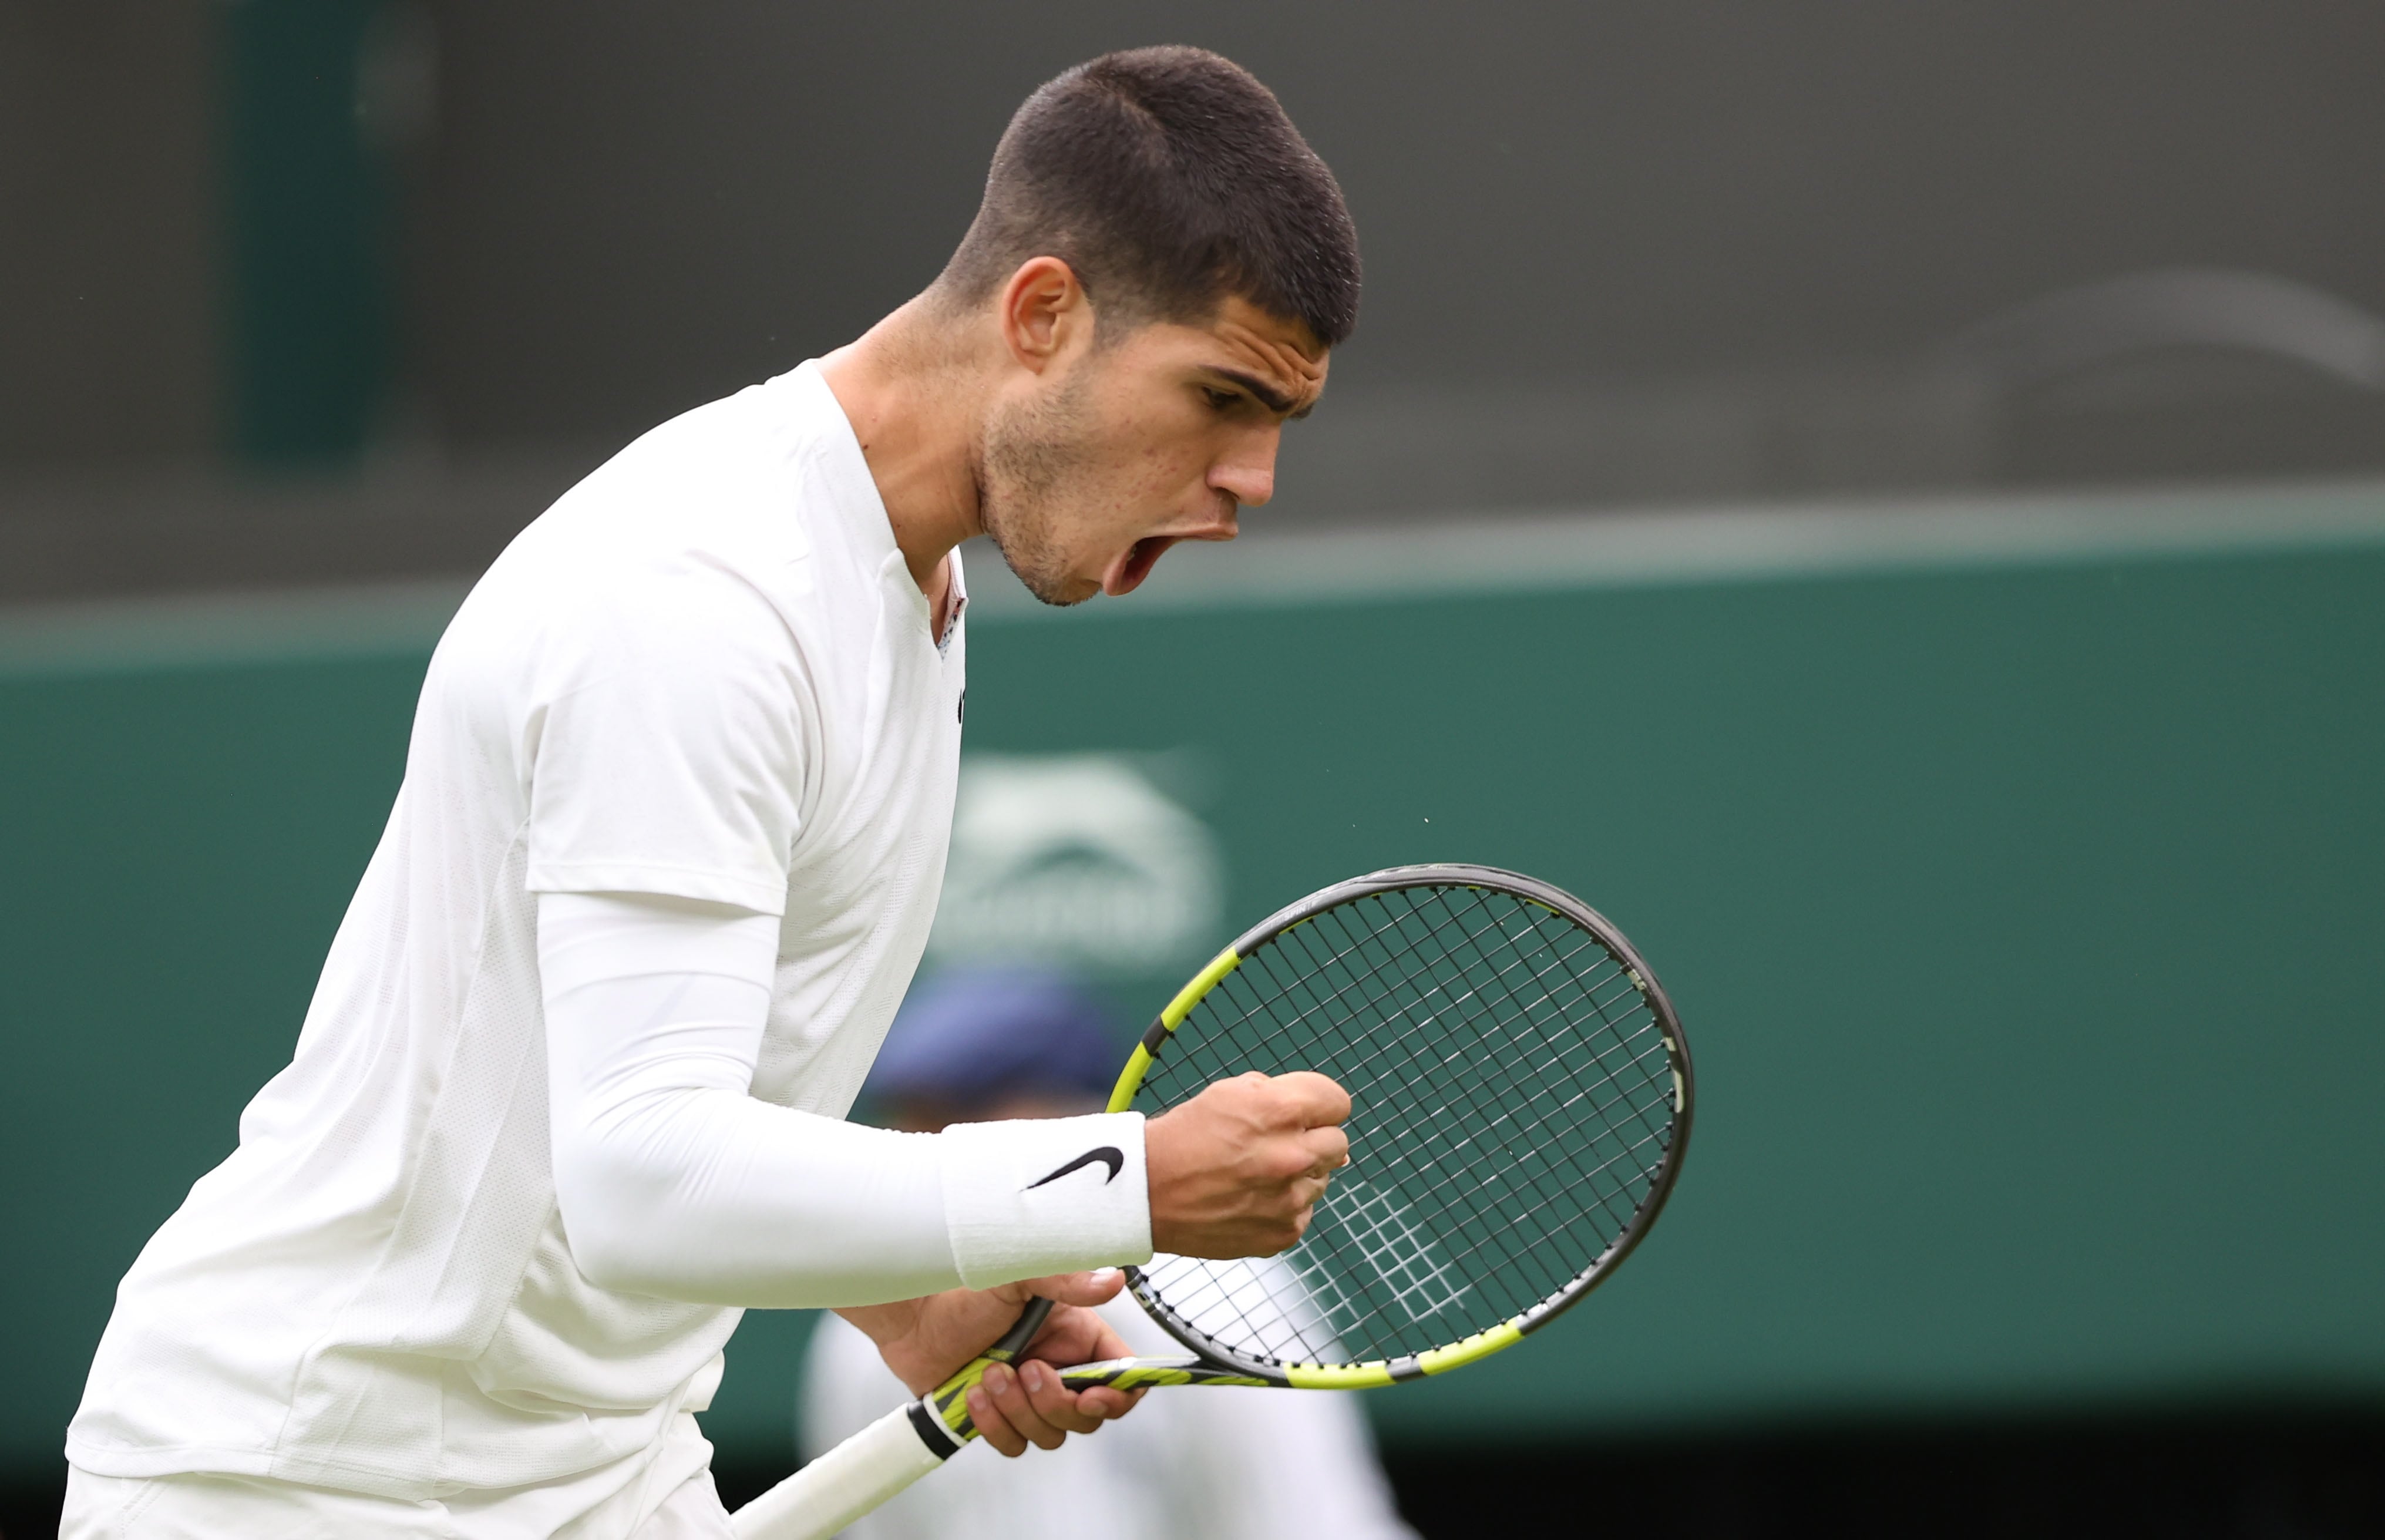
1169 178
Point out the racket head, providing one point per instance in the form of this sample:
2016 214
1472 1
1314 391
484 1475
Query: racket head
1521 1094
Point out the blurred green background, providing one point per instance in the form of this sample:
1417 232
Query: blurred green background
2023 916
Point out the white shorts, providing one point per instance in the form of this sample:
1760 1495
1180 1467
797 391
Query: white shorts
663 1493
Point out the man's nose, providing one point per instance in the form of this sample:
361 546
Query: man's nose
1247 472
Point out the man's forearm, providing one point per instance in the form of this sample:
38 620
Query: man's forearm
674 1181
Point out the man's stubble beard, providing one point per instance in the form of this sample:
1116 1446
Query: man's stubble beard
1026 460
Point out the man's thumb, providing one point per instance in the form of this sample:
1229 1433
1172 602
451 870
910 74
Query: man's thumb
1098 1287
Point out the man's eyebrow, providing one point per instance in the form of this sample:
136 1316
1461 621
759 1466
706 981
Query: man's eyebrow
1268 396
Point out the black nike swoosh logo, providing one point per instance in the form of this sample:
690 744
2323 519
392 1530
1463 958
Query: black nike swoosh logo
1109 1154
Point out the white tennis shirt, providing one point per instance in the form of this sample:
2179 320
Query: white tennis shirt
705 673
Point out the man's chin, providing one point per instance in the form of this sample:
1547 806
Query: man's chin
1059 588
1074 591
1057 591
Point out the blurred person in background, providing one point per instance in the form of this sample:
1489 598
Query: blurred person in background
1223 1463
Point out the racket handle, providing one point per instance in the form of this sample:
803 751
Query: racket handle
880 1459
842 1484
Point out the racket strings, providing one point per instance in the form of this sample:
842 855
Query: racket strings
1614 974
1513 1106
1607 1194
1368 1234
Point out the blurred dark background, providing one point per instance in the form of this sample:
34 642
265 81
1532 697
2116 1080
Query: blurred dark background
434 259
309 294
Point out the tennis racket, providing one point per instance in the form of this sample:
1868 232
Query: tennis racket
1521 1094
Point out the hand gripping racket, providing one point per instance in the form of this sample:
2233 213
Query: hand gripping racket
1521 1094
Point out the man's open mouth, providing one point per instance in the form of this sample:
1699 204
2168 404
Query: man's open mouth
1126 575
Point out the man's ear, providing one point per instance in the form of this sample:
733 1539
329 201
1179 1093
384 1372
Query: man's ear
1044 310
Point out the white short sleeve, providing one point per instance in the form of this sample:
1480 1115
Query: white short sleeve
668 744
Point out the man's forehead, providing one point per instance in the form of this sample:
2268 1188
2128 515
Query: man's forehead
1244 340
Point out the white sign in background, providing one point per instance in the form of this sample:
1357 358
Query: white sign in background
1077 859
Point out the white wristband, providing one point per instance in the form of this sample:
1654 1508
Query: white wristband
1059 1195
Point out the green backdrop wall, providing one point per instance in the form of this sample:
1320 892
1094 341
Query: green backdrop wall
2024 915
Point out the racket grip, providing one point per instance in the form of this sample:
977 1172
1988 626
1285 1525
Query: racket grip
842 1484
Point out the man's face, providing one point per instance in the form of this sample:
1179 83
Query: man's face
1089 471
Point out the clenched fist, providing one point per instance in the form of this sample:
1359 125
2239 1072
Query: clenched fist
1237 1170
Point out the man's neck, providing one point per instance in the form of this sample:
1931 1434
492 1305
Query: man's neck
906 386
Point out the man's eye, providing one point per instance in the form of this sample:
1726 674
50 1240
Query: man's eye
1220 400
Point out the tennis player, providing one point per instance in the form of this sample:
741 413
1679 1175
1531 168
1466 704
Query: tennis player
571 1090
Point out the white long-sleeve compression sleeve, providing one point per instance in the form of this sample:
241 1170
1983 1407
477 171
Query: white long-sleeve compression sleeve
675 1181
